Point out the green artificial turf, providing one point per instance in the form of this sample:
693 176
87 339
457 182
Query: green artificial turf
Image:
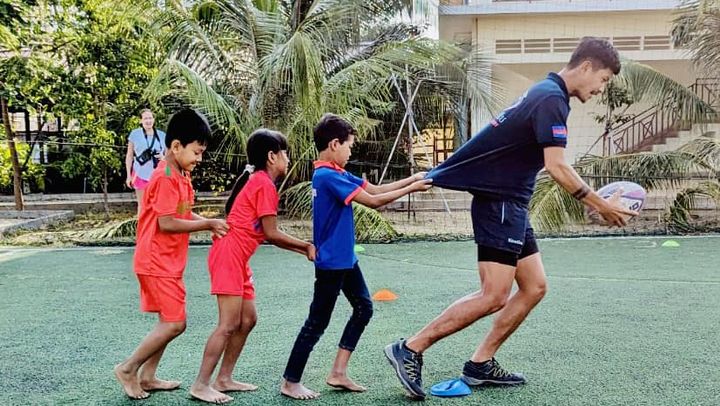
625 322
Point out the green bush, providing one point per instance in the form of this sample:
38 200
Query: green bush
33 174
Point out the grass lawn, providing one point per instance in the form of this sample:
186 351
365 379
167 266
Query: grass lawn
625 322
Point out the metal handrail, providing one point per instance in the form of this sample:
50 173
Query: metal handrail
658 121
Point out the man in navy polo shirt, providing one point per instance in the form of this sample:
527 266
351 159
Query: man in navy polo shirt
336 266
499 166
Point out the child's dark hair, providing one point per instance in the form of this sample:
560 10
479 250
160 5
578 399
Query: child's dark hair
188 126
329 128
260 143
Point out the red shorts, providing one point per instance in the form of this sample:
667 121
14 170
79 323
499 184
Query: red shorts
163 295
232 281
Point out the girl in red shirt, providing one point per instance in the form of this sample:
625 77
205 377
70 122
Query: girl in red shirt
252 217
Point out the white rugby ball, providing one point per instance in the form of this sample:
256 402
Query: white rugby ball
632 197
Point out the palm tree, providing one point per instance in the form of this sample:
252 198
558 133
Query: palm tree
697 28
282 64
693 169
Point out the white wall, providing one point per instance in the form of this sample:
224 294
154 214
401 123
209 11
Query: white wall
514 73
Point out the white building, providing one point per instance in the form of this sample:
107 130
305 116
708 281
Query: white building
526 39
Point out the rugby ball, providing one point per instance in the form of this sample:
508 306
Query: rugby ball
632 197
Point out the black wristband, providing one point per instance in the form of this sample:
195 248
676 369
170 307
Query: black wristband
581 193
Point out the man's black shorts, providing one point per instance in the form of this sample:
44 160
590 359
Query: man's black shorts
502 230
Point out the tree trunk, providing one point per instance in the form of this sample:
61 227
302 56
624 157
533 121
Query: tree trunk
105 194
17 174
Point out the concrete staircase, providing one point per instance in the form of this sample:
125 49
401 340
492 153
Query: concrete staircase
659 125
681 138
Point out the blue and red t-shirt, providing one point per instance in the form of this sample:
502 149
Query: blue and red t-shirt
333 190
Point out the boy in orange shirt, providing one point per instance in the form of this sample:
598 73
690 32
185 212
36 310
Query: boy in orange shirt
164 226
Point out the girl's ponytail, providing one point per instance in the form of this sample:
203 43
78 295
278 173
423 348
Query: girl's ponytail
259 144
239 183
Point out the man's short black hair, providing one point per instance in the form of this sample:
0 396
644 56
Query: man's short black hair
329 128
186 126
599 51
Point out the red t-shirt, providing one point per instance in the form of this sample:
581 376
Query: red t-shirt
158 253
257 199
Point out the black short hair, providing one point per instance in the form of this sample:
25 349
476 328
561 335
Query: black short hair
187 126
599 51
330 127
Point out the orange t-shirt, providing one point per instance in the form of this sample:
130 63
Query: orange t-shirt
158 253
257 199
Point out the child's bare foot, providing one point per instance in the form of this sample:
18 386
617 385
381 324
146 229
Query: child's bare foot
224 385
343 382
208 394
297 391
158 384
130 383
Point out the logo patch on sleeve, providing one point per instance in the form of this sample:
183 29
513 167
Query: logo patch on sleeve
559 132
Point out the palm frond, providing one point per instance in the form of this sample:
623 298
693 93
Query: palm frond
371 226
298 201
706 149
192 37
176 77
118 229
8 40
697 28
551 207
650 170
648 85
251 26
680 213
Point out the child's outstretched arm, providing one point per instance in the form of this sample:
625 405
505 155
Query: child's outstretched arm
377 200
285 241
389 187
171 224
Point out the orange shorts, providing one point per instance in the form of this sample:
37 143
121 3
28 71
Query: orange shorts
225 280
163 295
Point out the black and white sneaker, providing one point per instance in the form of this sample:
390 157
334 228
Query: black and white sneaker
408 368
489 373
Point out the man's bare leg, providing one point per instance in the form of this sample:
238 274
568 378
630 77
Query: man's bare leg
406 356
496 283
532 285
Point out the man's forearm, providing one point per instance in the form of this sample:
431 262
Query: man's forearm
566 176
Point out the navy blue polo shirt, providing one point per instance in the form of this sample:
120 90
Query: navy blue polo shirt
502 161
333 190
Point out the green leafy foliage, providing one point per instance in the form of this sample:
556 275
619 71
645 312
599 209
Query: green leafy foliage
33 175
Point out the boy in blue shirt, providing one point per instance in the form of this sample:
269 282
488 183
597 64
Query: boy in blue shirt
336 266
